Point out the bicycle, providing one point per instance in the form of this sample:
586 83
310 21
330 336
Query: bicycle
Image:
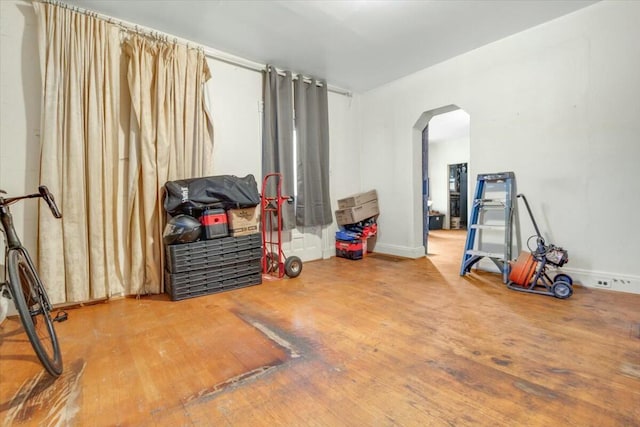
26 289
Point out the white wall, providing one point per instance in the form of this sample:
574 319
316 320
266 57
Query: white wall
558 105
234 93
345 158
20 91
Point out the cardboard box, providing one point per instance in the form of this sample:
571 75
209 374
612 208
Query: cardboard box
243 221
357 213
357 199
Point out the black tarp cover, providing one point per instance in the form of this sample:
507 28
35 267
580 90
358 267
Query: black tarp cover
221 191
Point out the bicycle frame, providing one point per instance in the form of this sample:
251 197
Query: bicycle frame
12 241
27 290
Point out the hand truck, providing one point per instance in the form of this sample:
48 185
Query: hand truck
274 261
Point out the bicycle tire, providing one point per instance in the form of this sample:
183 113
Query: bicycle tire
34 308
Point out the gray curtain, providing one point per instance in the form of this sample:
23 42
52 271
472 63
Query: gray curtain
313 204
277 137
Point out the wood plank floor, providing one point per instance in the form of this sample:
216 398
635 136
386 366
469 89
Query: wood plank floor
377 342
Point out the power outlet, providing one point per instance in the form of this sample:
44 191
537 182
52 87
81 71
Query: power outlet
622 282
605 280
604 283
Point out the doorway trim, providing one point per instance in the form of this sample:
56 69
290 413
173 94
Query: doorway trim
420 235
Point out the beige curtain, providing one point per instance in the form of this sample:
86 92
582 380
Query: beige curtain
171 138
79 128
114 128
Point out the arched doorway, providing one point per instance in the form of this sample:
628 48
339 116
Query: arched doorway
441 141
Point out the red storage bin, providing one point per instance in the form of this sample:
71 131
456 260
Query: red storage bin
354 249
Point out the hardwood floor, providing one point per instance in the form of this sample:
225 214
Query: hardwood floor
377 342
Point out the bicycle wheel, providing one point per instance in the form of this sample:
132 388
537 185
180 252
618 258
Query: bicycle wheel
33 306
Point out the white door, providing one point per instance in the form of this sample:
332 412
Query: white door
305 243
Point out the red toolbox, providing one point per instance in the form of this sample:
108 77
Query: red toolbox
353 249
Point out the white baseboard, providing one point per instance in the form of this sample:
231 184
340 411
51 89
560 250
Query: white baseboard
401 251
589 278
604 280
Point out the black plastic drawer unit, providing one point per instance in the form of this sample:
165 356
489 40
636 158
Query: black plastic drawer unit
212 266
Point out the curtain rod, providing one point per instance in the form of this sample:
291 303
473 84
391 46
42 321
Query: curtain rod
256 66
209 52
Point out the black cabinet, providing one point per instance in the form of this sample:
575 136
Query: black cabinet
458 196
435 222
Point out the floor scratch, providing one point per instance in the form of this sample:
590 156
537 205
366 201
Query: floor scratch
55 400
19 399
630 370
239 380
535 389
208 394
277 338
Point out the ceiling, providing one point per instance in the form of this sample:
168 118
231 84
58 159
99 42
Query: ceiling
354 44
449 126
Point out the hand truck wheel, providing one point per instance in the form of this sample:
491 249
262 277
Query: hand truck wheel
293 266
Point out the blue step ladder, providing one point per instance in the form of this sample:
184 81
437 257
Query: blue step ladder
492 213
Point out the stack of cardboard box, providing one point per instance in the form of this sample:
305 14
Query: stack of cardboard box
357 215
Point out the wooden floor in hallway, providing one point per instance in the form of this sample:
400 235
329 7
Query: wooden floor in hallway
382 341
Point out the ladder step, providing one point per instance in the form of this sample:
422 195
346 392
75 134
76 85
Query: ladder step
487 227
502 176
498 203
503 201
487 254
